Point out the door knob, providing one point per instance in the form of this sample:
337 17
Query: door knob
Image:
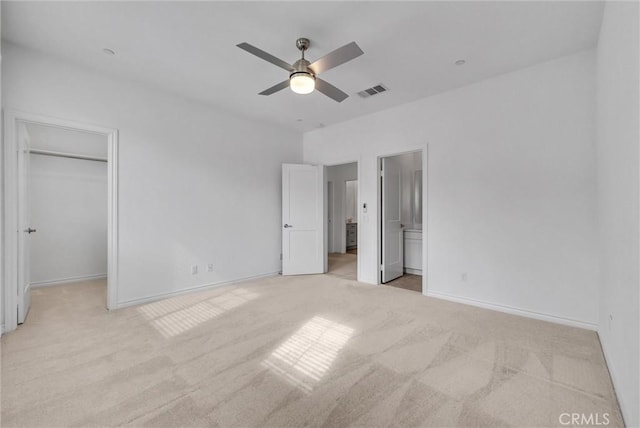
29 230
286 226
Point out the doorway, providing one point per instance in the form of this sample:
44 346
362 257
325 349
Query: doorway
401 218
67 192
63 170
342 225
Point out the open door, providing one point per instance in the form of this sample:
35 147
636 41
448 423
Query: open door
24 225
303 240
392 229
330 223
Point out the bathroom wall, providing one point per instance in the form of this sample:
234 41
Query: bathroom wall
411 162
351 203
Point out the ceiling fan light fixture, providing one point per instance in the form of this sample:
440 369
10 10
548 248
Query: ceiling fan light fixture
302 82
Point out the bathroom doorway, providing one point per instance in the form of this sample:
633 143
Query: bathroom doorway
401 199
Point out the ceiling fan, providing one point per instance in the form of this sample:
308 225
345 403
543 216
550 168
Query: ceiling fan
303 74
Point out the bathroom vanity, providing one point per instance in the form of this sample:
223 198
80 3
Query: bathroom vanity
413 250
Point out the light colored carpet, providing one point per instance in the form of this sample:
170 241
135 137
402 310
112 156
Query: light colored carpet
294 351
407 282
343 265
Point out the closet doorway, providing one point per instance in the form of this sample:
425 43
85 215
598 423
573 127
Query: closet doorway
67 208
63 183
342 224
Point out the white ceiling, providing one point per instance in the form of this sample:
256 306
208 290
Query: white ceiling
189 47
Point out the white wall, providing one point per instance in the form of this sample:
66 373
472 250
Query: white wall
68 206
618 193
1 193
511 187
351 197
339 175
196 185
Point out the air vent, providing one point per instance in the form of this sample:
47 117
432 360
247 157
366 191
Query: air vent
374 90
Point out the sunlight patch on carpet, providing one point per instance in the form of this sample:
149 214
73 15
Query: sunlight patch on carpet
172 317
304 358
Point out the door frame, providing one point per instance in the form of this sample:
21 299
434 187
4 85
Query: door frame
425 204
359 203
10 249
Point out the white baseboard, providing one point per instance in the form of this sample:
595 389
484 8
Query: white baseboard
156 297
413 271
59 281
514 311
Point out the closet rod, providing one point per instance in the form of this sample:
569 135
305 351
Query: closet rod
66 155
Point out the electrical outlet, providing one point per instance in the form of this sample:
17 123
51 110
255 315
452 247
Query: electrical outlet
610 321
194 270
463 277
210 267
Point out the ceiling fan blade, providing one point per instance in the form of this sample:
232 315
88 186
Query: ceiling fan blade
336 58
275 88
331 91
265 56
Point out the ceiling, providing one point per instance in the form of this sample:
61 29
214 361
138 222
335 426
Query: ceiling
188 48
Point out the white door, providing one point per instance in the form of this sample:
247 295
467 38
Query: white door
392 229
24 230
330 233
303 250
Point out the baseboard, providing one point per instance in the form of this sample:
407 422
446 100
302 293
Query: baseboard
614 381
413 271
514 311
59 281
156 297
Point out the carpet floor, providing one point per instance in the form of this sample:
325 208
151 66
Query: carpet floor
294 351
408 282
343 265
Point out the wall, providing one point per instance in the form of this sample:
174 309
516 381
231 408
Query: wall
1 192
351 197
339 175
196 185
68 206
618 193
511 187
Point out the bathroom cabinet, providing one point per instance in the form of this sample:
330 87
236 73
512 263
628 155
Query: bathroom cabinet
413 251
